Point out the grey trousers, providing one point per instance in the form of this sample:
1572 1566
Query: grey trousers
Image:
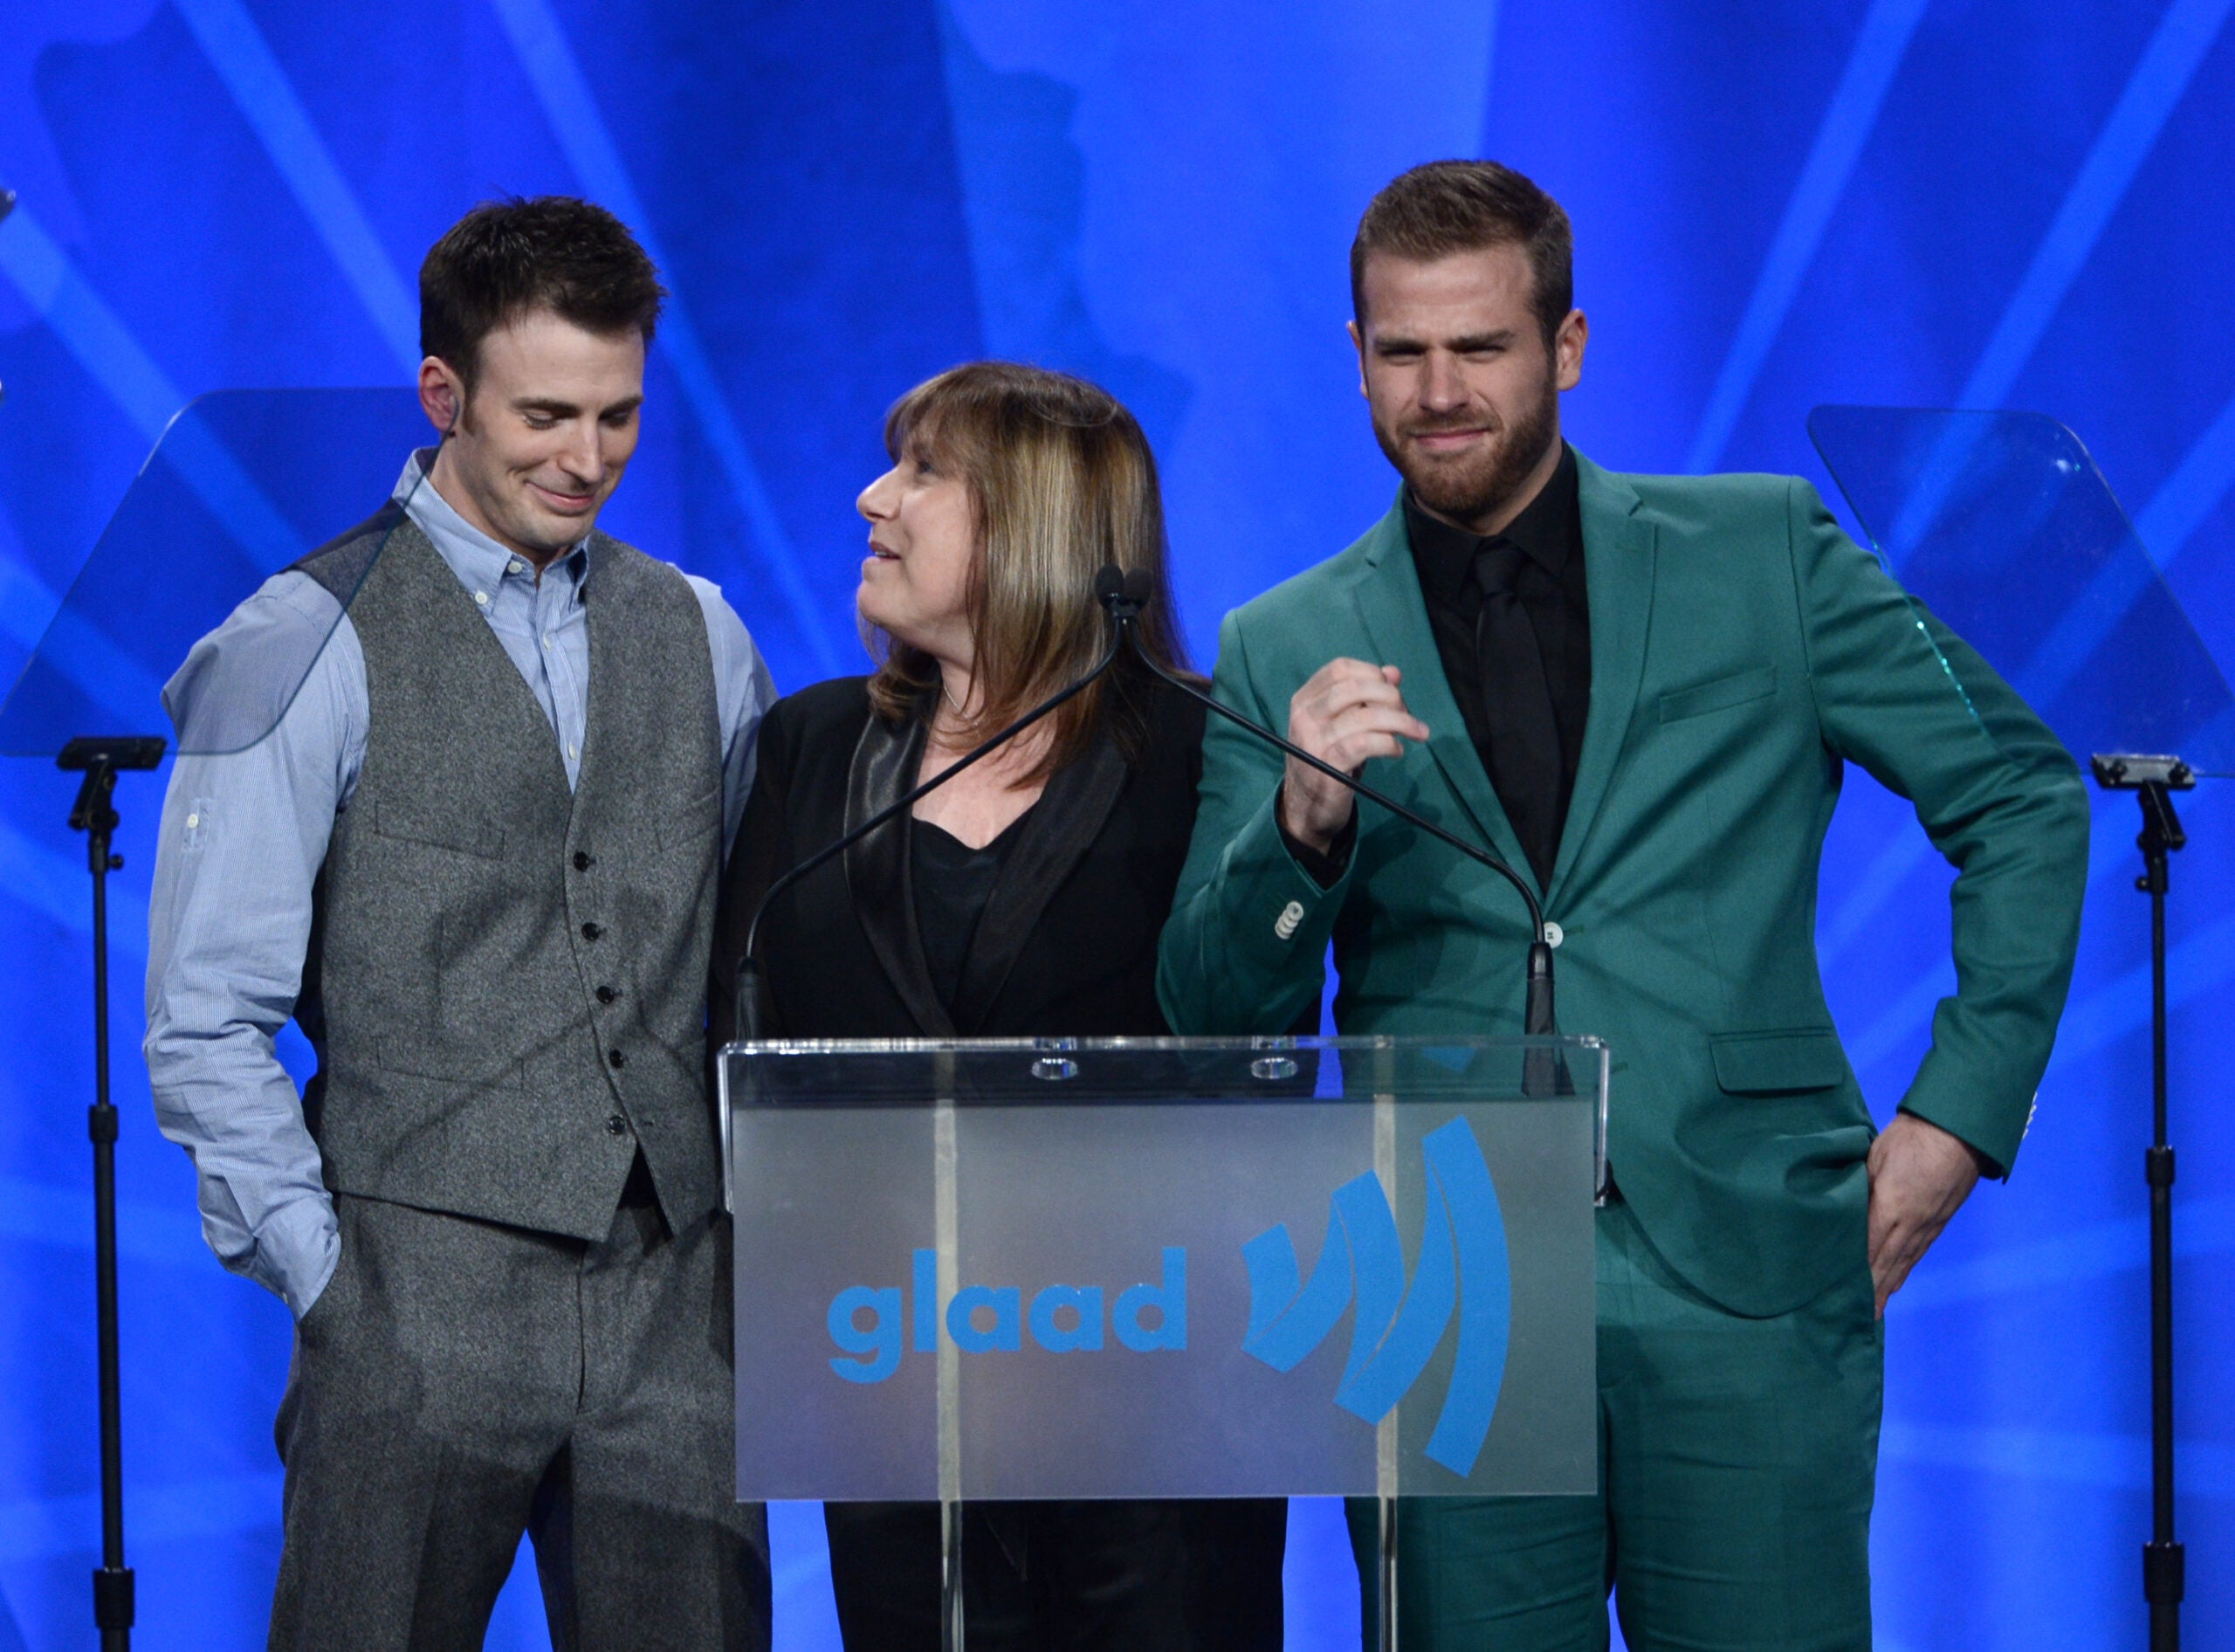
458 1383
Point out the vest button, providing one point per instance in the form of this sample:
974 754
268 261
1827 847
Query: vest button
582 861
616 1126
591 932
606 994
617 1058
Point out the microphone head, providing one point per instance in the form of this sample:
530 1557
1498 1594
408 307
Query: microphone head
1123 594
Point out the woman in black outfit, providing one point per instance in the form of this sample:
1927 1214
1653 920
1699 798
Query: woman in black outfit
1022 899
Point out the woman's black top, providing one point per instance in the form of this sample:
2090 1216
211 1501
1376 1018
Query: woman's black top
953 881
1064 941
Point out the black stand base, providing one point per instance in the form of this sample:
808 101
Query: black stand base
2163 1568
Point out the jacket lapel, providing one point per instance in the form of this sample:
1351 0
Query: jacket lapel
1618 548
1396 618
1066 820
885 761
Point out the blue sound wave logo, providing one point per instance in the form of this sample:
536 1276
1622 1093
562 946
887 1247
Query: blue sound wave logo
1397 1326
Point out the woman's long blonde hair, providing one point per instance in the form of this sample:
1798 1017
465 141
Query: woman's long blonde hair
1061 482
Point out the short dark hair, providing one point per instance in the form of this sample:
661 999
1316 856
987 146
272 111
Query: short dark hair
1463 206
506 257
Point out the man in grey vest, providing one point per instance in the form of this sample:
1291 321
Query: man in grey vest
476 861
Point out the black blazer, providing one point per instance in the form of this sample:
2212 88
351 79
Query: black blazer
1068 942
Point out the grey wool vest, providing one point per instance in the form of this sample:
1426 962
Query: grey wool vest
505 984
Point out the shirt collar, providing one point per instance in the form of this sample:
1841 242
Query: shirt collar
479 561
1543 533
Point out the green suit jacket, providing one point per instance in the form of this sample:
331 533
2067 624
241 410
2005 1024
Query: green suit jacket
1742 649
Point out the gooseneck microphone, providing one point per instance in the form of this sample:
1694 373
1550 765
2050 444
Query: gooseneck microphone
749 1021
1124 594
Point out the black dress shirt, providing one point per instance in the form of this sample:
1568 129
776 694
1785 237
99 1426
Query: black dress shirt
1549 534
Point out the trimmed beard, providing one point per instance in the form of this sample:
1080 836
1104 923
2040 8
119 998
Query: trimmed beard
1480 491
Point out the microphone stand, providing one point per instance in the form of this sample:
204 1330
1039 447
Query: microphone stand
2155 780
99 758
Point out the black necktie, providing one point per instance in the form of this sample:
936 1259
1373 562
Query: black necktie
1517 708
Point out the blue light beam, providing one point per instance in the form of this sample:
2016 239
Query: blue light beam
565 96
2168 63
1846 125
104 347
260 89
2186 497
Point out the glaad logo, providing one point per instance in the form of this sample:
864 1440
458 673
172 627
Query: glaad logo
993 1319
1396 1328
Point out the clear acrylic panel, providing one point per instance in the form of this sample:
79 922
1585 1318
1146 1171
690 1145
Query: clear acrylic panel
1164 1267
2002 525
240 484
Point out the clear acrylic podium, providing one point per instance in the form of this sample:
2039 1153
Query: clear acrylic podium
1164 1267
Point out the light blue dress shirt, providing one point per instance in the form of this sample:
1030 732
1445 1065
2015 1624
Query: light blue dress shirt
244 835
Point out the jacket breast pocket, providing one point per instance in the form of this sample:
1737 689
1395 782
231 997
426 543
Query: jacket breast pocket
1719 695
1777 1063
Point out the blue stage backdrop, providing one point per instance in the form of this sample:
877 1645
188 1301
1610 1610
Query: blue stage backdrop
1983 203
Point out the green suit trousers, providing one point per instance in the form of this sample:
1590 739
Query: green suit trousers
1736 1464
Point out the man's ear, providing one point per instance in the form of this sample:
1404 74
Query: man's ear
1567 349
441 395
1358 343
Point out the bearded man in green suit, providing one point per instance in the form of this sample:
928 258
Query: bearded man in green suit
1642 690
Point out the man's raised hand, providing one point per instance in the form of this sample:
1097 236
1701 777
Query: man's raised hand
1348 713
